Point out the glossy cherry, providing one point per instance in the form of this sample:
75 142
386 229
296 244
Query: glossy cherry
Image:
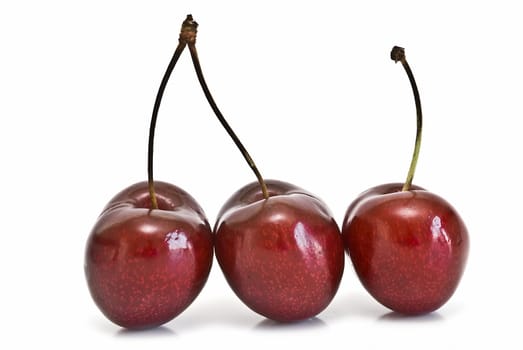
145 266
282 256
277 245
150 252
408 246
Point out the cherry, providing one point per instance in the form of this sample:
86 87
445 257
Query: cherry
150 252
277 245
281 255
408 246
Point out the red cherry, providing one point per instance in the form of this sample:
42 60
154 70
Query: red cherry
278 245
409 248
282 256
143 266
150 251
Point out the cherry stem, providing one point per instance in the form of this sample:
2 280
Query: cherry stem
191 43
398 54
182 43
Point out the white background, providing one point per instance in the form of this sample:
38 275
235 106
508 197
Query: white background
311 91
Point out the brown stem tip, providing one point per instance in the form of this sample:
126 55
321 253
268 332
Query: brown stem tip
397 54
188 31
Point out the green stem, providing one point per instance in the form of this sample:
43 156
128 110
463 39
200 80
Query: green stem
398 54
191 42
150 151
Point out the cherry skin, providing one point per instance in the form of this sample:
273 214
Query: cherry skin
143 266
283 256
408 248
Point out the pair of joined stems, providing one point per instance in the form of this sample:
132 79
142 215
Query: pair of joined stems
187 38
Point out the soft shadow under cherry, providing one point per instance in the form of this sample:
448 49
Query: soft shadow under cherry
399 317
268 324
161 331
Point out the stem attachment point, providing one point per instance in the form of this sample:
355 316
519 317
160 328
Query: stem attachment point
188 31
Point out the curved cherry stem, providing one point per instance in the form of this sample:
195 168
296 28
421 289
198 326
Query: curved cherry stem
182 43
398 54
191 43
